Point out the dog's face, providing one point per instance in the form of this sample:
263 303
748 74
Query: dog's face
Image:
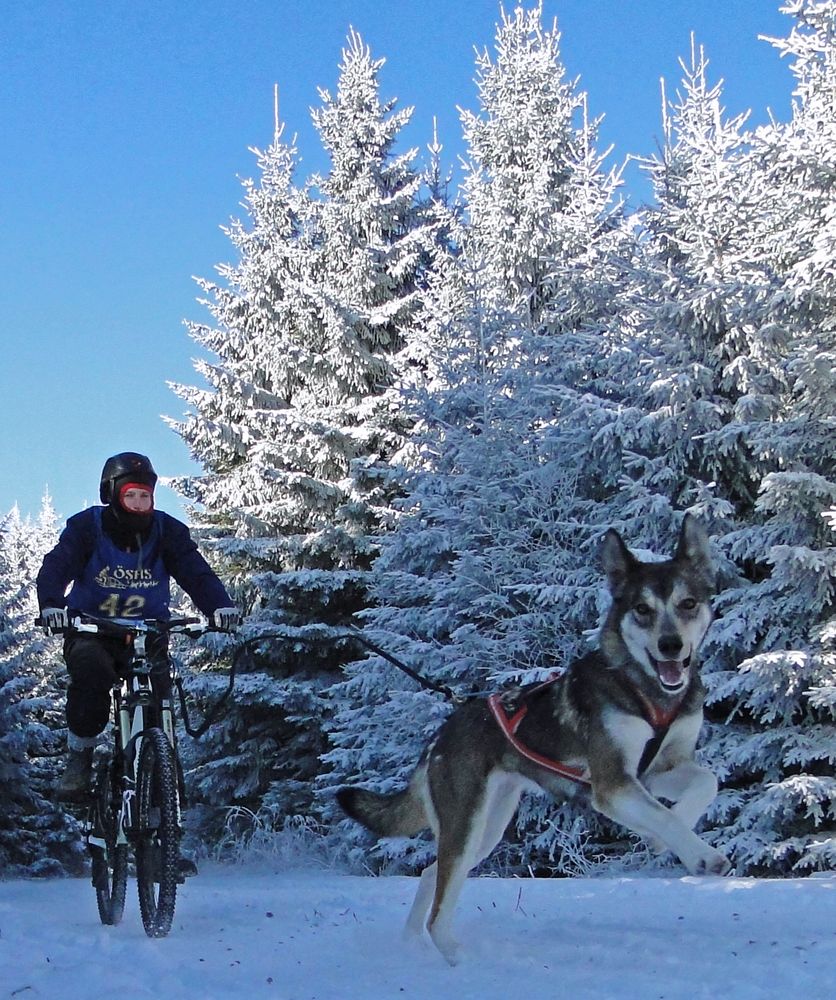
661 611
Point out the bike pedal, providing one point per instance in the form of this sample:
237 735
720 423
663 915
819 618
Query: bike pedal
186 868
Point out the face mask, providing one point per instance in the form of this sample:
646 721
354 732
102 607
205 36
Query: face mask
134 506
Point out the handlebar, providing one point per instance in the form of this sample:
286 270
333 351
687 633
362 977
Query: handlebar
120 627
191 627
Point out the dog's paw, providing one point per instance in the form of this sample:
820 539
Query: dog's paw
655 846
713 864
448 946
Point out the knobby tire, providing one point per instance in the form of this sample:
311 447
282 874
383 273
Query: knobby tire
158 833
110 867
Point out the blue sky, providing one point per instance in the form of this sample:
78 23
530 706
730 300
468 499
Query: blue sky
125 129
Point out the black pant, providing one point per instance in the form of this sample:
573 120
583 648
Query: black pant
95 663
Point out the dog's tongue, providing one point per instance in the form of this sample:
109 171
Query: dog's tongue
671 672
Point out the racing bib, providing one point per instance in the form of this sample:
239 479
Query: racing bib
118 584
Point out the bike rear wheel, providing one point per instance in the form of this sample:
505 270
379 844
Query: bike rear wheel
109 858
157 844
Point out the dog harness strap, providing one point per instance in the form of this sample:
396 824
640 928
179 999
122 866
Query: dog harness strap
509 727
657 717
660 720
652 747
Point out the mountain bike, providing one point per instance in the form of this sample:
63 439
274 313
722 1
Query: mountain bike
138 787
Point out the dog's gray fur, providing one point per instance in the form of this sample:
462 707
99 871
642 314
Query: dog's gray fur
468 782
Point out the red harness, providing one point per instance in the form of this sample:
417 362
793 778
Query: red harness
657 717
510 724
660 721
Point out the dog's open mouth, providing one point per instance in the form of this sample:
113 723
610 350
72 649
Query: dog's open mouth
672 673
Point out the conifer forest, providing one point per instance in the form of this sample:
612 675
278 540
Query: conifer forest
418 408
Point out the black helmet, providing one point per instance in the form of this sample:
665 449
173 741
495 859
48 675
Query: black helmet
129 467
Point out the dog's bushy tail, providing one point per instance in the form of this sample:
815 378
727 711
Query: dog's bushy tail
398 815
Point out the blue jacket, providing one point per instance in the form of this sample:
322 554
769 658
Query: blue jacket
181 560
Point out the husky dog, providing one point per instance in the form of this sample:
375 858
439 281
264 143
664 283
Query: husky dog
621 723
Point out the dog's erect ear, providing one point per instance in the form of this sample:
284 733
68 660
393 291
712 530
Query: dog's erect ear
617 561
695 548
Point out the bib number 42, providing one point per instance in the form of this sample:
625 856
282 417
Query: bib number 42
117 606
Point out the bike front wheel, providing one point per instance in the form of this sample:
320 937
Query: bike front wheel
109 857
157 845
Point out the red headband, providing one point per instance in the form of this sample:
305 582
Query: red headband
136 486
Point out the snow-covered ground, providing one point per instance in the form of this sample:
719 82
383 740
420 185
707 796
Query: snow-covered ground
295 935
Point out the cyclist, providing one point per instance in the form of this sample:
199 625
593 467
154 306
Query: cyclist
120 559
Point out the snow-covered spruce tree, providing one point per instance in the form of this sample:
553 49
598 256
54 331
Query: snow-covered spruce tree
260 341
778 750
377 239
709 374
299 422
36 837
490 575
689 450
547 258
